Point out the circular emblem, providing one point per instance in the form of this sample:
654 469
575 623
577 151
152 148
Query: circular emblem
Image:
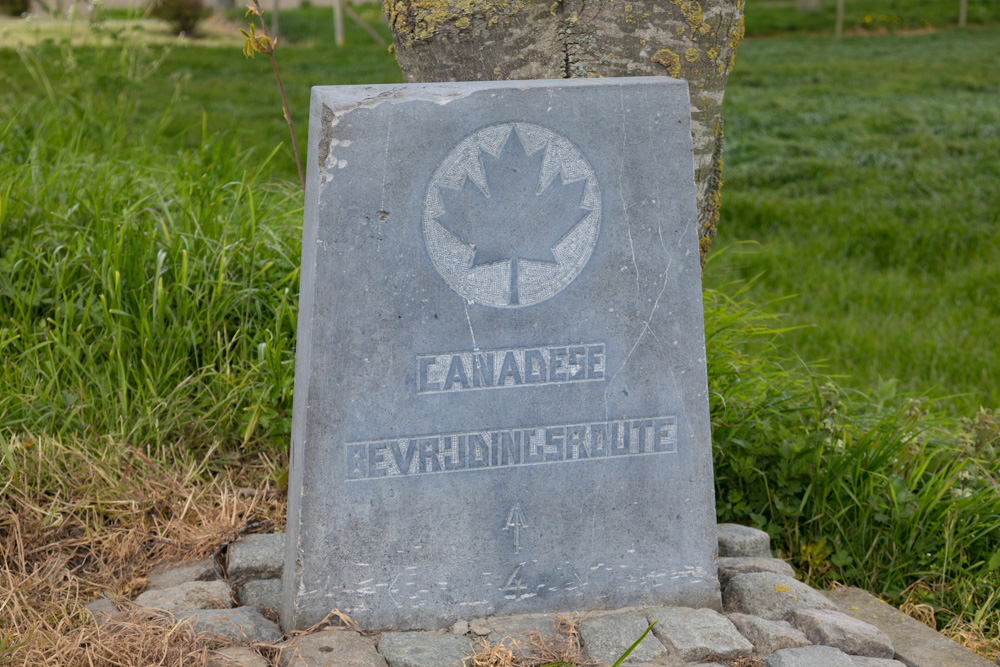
511 215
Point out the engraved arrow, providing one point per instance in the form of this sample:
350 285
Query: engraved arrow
515 520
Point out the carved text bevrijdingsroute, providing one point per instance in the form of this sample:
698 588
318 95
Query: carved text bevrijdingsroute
502 448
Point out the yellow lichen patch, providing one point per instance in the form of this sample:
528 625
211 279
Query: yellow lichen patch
627 15
692 55
691 11
670 60
681 29
736 33
421 19
713 53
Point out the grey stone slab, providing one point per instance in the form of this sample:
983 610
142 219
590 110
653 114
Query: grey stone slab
809 656
501 401
517 633
736 541
850 635
237 656
916 644
865 661
331 648
261 593
242 624
739 565
188 596
694 634
770 595
768 636
608 636
259 556
168 575
420 649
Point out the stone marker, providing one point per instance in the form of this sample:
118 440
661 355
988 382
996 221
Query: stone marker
500 395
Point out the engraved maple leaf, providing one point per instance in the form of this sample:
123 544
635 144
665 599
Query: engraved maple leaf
516 216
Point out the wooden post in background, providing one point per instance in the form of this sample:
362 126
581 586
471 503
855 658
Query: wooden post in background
963 12
338 23
839 27
274 20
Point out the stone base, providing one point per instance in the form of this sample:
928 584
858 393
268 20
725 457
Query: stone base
772 620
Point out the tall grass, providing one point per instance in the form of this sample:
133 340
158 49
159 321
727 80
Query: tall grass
145 294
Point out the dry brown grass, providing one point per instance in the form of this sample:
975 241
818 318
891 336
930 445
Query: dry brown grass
77 522
564 646
974 634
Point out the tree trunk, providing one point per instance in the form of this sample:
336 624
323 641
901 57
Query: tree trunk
696 40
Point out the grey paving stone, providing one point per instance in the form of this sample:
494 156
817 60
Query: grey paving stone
693 634
168 575
420 649
809 656
833 628
865 661
516 632
259 556
916 644
331 648
606 637
460 628
261 593
237 656
189 596
736 541
479 627
768 636
770 595
739 565
242 624
102 609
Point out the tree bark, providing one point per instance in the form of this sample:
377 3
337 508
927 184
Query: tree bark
696 40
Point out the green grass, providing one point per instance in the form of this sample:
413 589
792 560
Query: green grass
864 172
778 17
148 282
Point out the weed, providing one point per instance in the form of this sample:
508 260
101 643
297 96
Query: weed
263 43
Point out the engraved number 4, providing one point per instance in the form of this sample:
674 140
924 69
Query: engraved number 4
514 583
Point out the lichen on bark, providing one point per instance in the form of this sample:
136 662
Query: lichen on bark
695 40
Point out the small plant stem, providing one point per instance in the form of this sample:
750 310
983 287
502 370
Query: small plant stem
288 118
281 89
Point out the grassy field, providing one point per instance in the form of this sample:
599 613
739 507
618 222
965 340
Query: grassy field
865 173
778 17
149 232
